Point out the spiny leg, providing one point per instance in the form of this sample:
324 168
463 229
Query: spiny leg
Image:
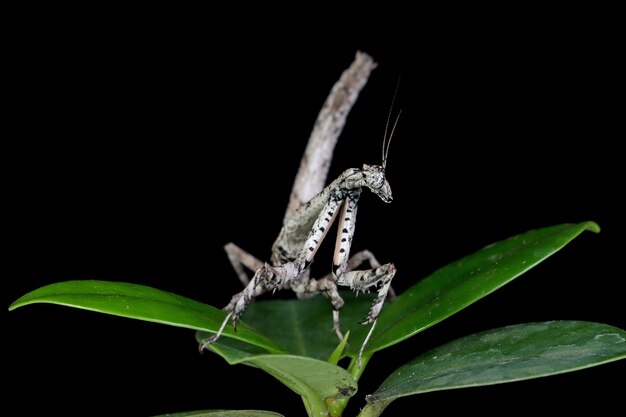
274 277
239 259
269 277
358 259
360 280
265 278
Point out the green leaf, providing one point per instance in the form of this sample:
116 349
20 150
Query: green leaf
232 350
224 413
461 283
339 383
313 379
305 327
143 303
506 354
338 352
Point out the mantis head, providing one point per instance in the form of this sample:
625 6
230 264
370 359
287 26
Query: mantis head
374 175
374 178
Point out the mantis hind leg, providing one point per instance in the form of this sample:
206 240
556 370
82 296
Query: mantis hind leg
239 259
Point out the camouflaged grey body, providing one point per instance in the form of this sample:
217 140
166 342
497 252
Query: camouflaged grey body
306 224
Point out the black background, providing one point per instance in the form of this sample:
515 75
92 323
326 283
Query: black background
136 148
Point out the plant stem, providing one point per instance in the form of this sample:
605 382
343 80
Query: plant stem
337 405
374 409
314 406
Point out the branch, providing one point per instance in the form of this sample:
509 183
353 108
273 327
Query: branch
311 177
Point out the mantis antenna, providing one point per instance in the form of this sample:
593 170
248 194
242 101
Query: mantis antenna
387 139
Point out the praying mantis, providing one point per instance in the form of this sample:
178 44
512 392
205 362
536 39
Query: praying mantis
312 210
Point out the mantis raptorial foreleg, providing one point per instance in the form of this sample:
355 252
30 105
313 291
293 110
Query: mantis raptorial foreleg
360 258
360 280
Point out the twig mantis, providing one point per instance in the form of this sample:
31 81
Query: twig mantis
311 211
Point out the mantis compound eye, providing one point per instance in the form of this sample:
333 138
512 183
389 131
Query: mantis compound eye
384 192
375 180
